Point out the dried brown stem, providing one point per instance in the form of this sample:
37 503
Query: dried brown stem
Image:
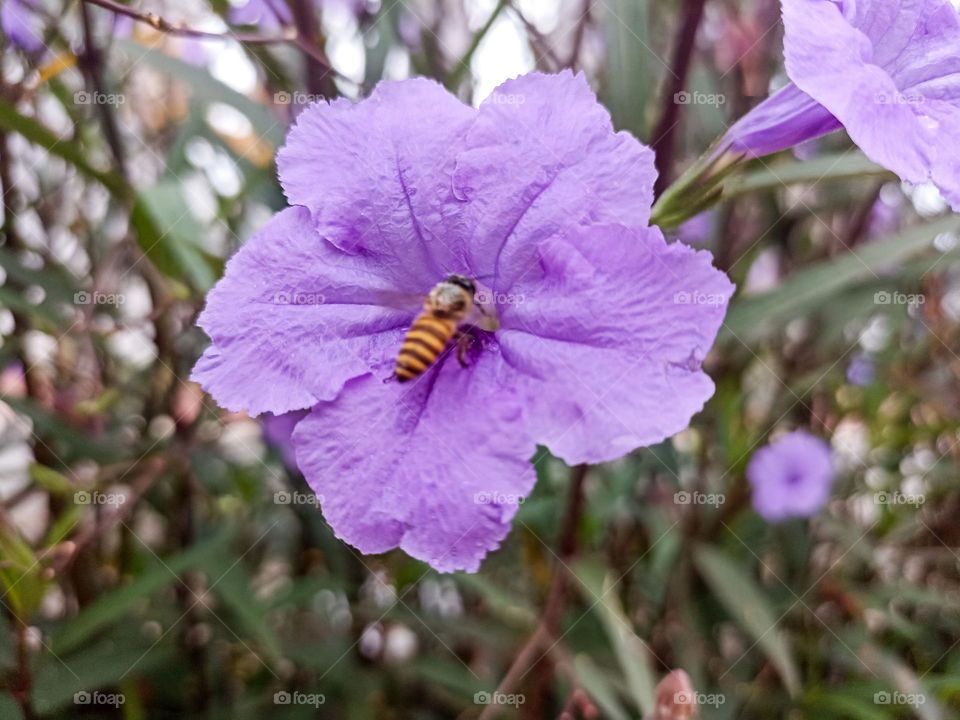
289 36
539 643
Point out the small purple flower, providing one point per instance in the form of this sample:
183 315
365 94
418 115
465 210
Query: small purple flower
791 477
278 432
22 24
601 325
887 71
862 370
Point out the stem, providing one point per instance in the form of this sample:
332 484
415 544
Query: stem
24 682
290 35
463 64
531 652
684 41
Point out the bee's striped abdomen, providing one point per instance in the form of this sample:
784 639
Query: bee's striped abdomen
424 342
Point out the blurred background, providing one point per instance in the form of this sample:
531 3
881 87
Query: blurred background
162 558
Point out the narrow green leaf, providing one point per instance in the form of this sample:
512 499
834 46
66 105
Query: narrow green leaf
816 286
631 653
746 602
630 71
774 176
594 681
111 607
20 574
168 233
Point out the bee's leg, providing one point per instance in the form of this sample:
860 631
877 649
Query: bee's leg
464 341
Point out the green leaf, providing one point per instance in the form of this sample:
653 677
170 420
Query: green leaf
631 652
774 176
630 70
20 574
66 148
594 681
233 589
111 607
168 234
746 603
815 287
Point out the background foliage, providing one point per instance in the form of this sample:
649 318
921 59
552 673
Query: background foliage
150 552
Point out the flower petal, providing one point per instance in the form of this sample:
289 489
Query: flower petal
833 61
786 118
607 336
376 175
541 157
436 467
293 319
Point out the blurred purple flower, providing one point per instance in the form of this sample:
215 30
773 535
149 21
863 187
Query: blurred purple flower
697 230
22 24
273 14
265 14
602 325
791 477
278 432
886 70
861 370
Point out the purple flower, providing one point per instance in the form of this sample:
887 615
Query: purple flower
862 370
21 24
278 432
791 477
602 325
266 14
886 70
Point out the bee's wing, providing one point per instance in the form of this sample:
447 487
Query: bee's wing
399 300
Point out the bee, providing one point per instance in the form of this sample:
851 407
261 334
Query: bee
448 304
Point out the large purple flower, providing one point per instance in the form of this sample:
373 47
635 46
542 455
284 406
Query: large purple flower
791 477
886 70
602 325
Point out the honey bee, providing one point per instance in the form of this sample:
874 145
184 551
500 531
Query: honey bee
446 307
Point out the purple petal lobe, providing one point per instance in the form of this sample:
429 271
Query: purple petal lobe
786 118
376 176
542 157
293 319
21 24
791 477
436 467
606 335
